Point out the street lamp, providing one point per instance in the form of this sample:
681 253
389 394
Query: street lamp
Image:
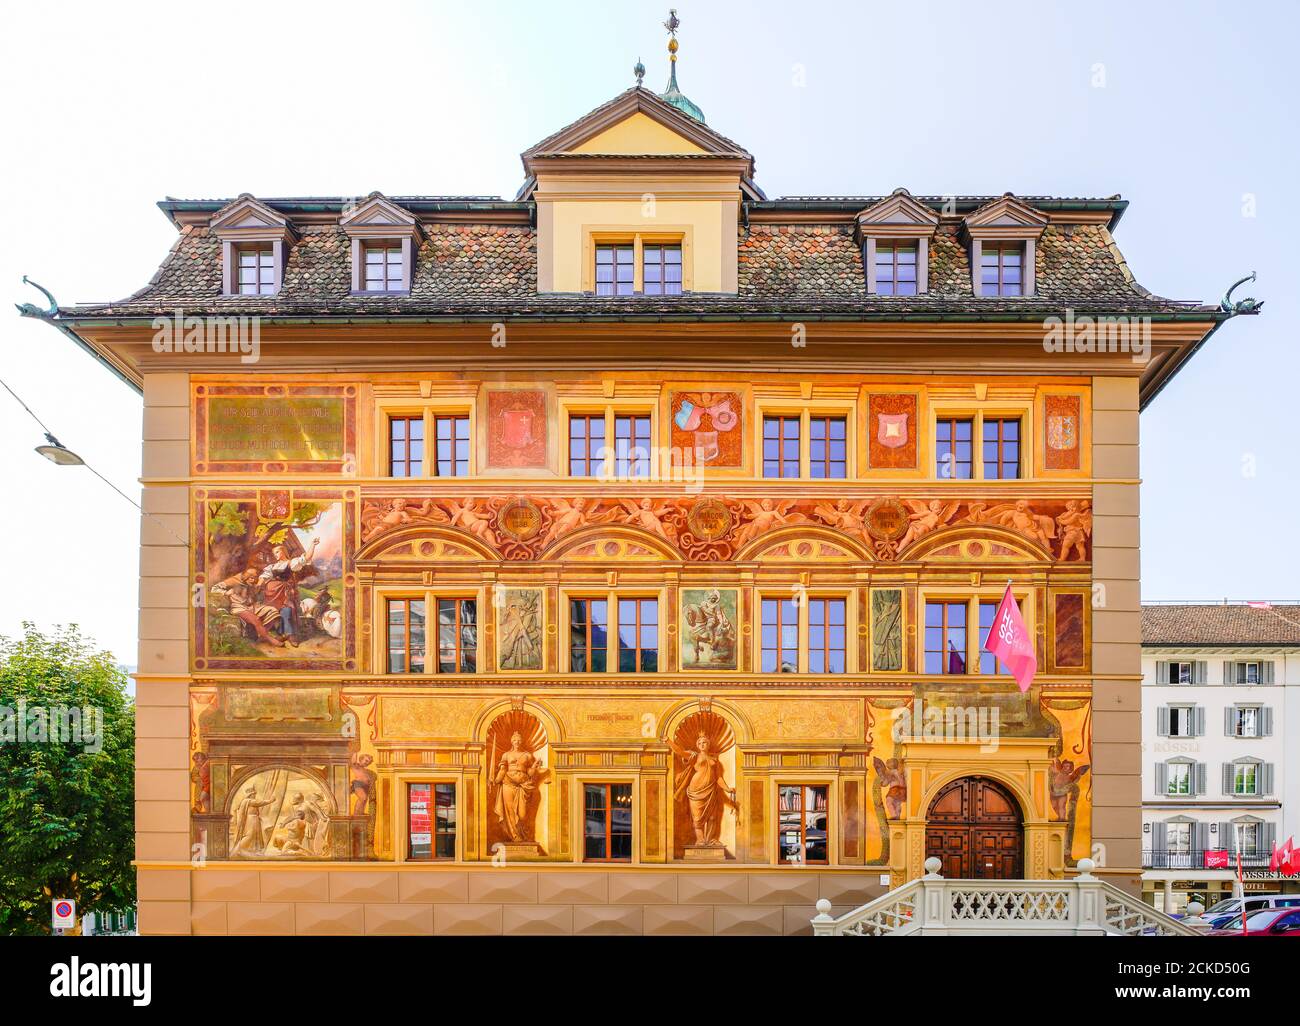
56 453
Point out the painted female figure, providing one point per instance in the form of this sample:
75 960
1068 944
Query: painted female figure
703 783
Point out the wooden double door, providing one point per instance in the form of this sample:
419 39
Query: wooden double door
974 828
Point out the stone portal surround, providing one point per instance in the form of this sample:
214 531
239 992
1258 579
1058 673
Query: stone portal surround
460 900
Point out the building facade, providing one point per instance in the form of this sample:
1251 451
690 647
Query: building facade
617 558
1215 712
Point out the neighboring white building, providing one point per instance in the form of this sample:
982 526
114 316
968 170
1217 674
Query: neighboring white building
1220 695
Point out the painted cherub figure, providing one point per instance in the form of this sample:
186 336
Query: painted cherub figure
1019 517
646 514
764 516
464 515
924 518
893 783
1075 527
1064 785
845 515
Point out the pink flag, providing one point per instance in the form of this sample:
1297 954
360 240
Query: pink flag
1010 641
1260 605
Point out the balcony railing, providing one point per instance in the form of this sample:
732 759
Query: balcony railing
1212 858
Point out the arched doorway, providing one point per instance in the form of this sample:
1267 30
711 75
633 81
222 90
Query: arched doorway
974 828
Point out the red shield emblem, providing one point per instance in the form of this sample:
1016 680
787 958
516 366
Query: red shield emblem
1061 432
517 428
891 431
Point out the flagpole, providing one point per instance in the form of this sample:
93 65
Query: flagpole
1245 930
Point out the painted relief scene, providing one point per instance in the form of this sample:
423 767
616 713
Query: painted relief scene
274 579
281 813
709 628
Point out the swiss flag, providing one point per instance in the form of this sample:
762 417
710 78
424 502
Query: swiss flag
1283 858
1009 640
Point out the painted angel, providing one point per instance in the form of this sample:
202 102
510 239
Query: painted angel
845 515
465 515
764 516
1019 517
924 518
646 514
568 516
1075 526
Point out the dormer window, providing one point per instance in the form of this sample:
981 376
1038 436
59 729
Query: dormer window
661 270
615 270
638 264
1003 237
384 270
255 243
385 239
256 269
896 268
1002 269
895 238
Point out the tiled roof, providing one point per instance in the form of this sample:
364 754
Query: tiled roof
785 271
1217 625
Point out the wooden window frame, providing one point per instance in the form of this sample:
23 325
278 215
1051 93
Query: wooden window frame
1001 247
826 649
387 647
663 264
458 625
638 625
571 407
598 237
803 622
568 600
806 411
388 409
408 419
977 414
608 786
387 247
803 787
814 416
1001 444
265 253
1023 594
894 245
404 792
430 596
799 649
437 417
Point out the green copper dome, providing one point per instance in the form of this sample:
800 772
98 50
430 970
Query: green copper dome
679 99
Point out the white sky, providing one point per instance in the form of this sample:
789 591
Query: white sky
108 108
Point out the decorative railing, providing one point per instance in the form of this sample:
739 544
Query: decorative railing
1084 905
1210 858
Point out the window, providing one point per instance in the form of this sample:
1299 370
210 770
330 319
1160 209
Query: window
256 270
1246 721
1182 721
945 637
1178 838
383 271
607 822
1179 673
827 635
952 452
406 635
988 613
896 269
638 635
1001 269
431 821
1180 778
588 635
661 270
1245 778
1246 838
616 270
828 456
780 632
406 446
801 823
1248 673
451 438
457 635
631 446
1001 448
781 446
587 445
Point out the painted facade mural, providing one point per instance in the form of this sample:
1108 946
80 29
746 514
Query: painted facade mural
304 748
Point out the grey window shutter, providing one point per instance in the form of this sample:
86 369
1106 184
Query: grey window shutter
1198 778
1199 672
1266 778
1200 836
1266 721
1198 722
1228 717
1162 721
1227 778
1227 836
1266 671
1162 778
1162 671
1158 835
1268 838
1229 672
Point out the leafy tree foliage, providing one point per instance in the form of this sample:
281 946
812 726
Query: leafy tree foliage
66 809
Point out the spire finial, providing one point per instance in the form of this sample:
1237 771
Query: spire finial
673 94
638 70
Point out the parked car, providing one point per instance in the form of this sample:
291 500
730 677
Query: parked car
1267 922
1230 908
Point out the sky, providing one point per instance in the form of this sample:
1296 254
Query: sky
1189 110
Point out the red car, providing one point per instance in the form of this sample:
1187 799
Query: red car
1265 922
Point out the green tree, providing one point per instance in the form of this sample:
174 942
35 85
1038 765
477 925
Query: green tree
66 812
